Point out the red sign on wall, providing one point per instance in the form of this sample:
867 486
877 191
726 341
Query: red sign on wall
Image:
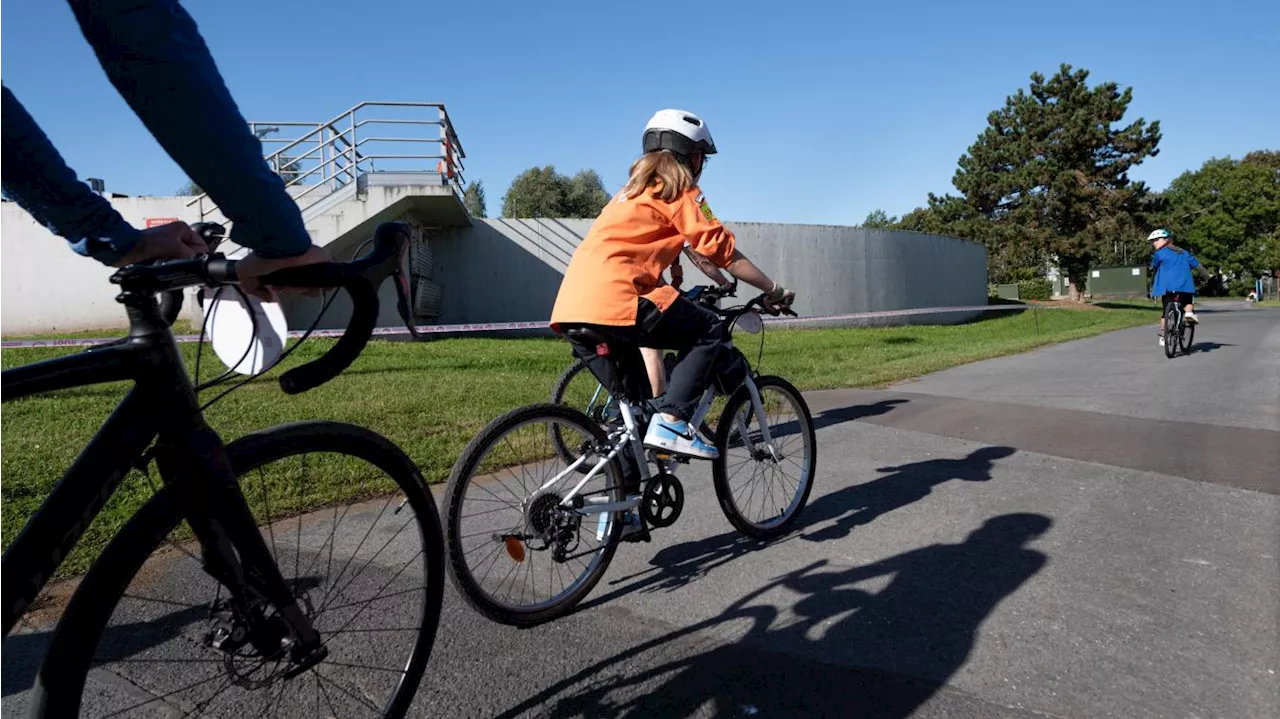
156 221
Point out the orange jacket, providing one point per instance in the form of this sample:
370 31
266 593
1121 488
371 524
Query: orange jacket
623 256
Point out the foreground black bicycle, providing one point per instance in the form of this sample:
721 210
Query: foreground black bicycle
229 593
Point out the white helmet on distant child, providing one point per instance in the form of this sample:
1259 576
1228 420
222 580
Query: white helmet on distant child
679 132
1161 234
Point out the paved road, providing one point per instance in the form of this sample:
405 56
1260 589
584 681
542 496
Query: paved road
1088 530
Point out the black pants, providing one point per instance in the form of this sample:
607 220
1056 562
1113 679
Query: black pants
694 332
1182 298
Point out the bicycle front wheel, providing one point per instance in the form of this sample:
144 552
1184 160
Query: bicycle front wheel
356 535
763 486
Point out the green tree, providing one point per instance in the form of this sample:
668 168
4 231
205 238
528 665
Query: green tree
585 195
1267 158
879 220
1051 169
543 192
473 199
1228 213
189 188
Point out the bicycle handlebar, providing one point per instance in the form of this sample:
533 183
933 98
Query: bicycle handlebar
361 278
710 294
753 303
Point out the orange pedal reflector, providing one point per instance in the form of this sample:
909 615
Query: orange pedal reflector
515 549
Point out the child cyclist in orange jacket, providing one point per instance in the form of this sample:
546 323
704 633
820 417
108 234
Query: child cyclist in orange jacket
614 282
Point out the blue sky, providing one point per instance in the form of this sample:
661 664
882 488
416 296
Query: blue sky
823 111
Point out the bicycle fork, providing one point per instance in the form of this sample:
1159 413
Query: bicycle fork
199 473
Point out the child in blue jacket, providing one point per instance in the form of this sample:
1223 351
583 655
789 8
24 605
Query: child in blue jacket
1173 282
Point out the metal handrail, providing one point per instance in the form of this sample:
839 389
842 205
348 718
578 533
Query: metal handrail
334 154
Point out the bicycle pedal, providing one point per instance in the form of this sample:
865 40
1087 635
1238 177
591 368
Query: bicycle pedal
640 534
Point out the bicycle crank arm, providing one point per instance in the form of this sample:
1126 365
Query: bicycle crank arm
625 505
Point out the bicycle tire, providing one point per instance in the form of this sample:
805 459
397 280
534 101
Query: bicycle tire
62 676
1191 338
719 466
460 478
1170 333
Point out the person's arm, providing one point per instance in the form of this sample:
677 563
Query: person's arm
36 177
693 218
155 57
707 267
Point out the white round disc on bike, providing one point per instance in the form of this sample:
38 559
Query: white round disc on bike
247 334
750 322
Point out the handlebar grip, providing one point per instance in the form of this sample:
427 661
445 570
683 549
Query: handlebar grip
364 315
361 279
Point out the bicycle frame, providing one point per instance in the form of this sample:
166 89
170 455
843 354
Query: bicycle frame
192 461
631 434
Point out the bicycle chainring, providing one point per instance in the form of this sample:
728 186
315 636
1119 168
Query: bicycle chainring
663 500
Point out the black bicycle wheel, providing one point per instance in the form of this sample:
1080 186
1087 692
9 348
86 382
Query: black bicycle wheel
1190 338
136 637
579 388
1170 333
517 556
779 481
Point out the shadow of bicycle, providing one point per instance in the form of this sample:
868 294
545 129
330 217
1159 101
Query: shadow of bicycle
820 640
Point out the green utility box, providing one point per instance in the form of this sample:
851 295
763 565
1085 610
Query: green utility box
1117 282
1007 292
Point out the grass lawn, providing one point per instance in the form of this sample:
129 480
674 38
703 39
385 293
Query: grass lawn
431 398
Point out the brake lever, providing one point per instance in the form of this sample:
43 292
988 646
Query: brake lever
402 303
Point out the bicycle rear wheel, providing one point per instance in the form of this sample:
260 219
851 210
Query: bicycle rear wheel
1170 333
136 639
1190 338
517 555
579 388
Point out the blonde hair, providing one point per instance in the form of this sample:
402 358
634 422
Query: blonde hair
661 171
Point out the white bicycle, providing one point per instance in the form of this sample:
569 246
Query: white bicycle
530 530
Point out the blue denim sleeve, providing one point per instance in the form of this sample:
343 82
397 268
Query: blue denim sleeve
36 177
152 52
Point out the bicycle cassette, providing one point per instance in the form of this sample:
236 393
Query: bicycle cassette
663 500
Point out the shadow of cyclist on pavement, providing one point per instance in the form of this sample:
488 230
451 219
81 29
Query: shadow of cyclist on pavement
863 503
679 565
840 415
821 640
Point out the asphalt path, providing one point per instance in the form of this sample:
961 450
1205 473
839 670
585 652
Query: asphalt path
1086 530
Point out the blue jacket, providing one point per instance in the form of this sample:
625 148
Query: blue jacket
1172 270
155 57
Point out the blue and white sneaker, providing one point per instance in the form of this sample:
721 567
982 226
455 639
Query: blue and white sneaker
678 438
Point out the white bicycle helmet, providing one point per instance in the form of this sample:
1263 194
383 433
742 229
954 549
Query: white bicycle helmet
679 132
1161 234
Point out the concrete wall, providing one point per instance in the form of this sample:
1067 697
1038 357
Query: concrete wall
506 270
45 287
509 270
